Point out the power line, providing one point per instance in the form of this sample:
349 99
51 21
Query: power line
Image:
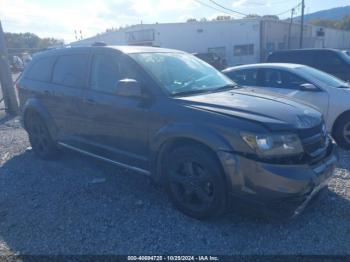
226 8
240 13
289 10
279 2
212 7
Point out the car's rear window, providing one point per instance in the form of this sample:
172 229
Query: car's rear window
71 70
41 69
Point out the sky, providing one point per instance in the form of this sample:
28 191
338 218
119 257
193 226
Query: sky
60 18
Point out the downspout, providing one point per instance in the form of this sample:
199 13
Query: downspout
262 55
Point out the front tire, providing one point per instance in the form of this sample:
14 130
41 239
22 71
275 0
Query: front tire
39 137
342 132
195 182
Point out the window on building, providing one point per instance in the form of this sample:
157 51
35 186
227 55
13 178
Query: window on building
220 51
140 36
243 50
71 70
270 47
41 69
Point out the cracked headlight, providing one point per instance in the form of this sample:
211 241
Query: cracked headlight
272 145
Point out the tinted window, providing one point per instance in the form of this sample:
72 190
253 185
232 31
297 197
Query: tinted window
329 59
245 77
107 70
280 79
300 57
292 81
41 69
71 70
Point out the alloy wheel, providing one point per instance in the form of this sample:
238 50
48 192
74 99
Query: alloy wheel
192 185
346 132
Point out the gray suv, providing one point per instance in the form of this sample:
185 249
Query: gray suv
169 115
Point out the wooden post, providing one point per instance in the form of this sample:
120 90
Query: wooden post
8 90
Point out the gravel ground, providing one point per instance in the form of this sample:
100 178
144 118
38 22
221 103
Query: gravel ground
78 205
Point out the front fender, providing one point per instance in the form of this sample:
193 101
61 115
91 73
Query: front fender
199 133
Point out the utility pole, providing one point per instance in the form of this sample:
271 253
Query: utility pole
290 28
8 90
302 24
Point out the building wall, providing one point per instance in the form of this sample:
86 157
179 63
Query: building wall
194 37
238 41
333 38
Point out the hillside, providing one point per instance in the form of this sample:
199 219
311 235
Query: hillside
331 14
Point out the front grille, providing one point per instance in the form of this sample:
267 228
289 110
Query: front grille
315 142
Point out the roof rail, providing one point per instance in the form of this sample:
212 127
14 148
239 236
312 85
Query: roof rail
99 44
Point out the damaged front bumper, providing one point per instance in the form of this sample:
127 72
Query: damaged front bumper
286 189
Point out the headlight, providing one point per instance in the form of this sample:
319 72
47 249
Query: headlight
274 145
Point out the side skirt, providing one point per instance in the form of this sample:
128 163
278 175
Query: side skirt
136 169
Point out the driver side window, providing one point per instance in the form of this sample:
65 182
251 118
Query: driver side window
272 78
108 69
293 81
281 79
105 73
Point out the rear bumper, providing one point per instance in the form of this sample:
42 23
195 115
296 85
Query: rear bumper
283 188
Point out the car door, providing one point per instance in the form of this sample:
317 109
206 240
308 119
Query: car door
36 82
289 84
332 63
69 79
116 127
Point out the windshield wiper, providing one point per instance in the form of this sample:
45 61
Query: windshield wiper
190 92
205 91
226 87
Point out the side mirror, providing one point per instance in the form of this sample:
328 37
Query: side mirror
308 87
129 88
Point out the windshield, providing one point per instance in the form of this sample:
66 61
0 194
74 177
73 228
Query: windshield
181 73
345 55
323 77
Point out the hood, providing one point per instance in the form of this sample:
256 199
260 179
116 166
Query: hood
275 113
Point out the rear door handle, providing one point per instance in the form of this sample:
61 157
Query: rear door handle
90 101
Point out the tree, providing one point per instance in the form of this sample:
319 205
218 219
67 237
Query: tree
18 43
342 24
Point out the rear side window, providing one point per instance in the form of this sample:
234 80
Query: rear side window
41 69
329 59
71 70
299 57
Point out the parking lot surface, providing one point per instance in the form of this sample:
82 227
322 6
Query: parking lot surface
78 205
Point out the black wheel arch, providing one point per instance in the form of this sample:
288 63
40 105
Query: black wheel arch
177 135
339 119
34 106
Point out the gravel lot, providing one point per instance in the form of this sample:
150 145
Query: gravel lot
78 205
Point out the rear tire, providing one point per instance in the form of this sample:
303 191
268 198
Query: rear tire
39 137
195 182
342 132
